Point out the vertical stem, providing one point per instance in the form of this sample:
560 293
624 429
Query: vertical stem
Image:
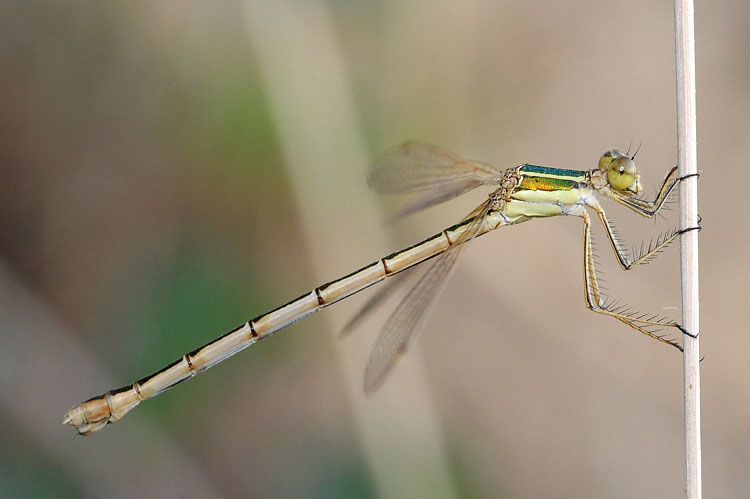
686 130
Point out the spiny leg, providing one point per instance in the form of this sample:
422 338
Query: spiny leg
595 303
654 247
649 209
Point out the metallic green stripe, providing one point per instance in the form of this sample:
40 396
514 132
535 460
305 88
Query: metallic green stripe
559 172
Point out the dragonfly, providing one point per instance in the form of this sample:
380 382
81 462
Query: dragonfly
519 194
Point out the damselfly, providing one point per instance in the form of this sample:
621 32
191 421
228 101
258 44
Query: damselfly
520 194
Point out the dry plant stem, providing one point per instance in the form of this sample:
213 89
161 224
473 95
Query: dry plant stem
686 130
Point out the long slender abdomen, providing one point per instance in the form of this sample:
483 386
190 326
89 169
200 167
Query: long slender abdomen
95 413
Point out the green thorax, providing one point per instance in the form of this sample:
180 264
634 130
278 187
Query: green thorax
543 178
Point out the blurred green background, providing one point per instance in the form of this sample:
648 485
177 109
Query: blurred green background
171 169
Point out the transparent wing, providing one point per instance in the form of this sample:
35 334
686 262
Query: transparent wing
409 316
414 167
374 301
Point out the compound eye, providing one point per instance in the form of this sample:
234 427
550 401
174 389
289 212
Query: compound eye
606 160
621 173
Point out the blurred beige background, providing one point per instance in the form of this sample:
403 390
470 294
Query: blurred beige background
168 171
